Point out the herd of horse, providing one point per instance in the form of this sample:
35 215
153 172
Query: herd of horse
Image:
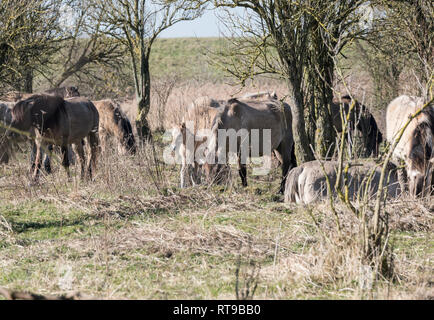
413 157
61 117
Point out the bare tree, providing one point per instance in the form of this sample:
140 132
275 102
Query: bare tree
29 35
409 26
136 24
296 41
87 49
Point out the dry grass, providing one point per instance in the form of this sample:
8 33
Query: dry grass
133 234
185 92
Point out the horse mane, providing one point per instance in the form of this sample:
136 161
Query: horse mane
125 128
44 110
291 188
20 109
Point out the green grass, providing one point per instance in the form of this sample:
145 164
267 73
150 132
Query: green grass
187 58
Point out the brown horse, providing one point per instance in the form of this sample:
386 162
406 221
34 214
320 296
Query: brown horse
53 120
114 122
416 147
64 92
252 120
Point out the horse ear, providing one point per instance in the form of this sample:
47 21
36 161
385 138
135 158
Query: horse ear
234 108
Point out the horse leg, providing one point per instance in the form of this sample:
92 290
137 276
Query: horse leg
47 160
197 173
79 150
402 177
33 156
242 170
93 141
103 140
182 176
286 160
36 165
65 160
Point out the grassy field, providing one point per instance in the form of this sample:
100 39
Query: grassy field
133 234
187 58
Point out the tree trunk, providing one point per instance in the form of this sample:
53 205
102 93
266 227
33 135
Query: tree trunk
144 102
28 81
142 125
303 153
324 133
320 70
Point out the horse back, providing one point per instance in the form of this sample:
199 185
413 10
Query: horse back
83 118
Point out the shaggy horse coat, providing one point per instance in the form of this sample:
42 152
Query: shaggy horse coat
5 122
113 122
416 147
267 114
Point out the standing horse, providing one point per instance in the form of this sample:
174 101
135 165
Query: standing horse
199 116
53 120
64 92
245 118
416 147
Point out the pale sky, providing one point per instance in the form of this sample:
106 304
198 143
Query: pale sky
206 26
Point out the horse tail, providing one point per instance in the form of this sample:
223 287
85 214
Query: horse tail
291 188
293 157
125 130
130 142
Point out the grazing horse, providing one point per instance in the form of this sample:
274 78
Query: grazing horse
53 120
114 122
199 116
251 120
416 147
307 183
360 120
